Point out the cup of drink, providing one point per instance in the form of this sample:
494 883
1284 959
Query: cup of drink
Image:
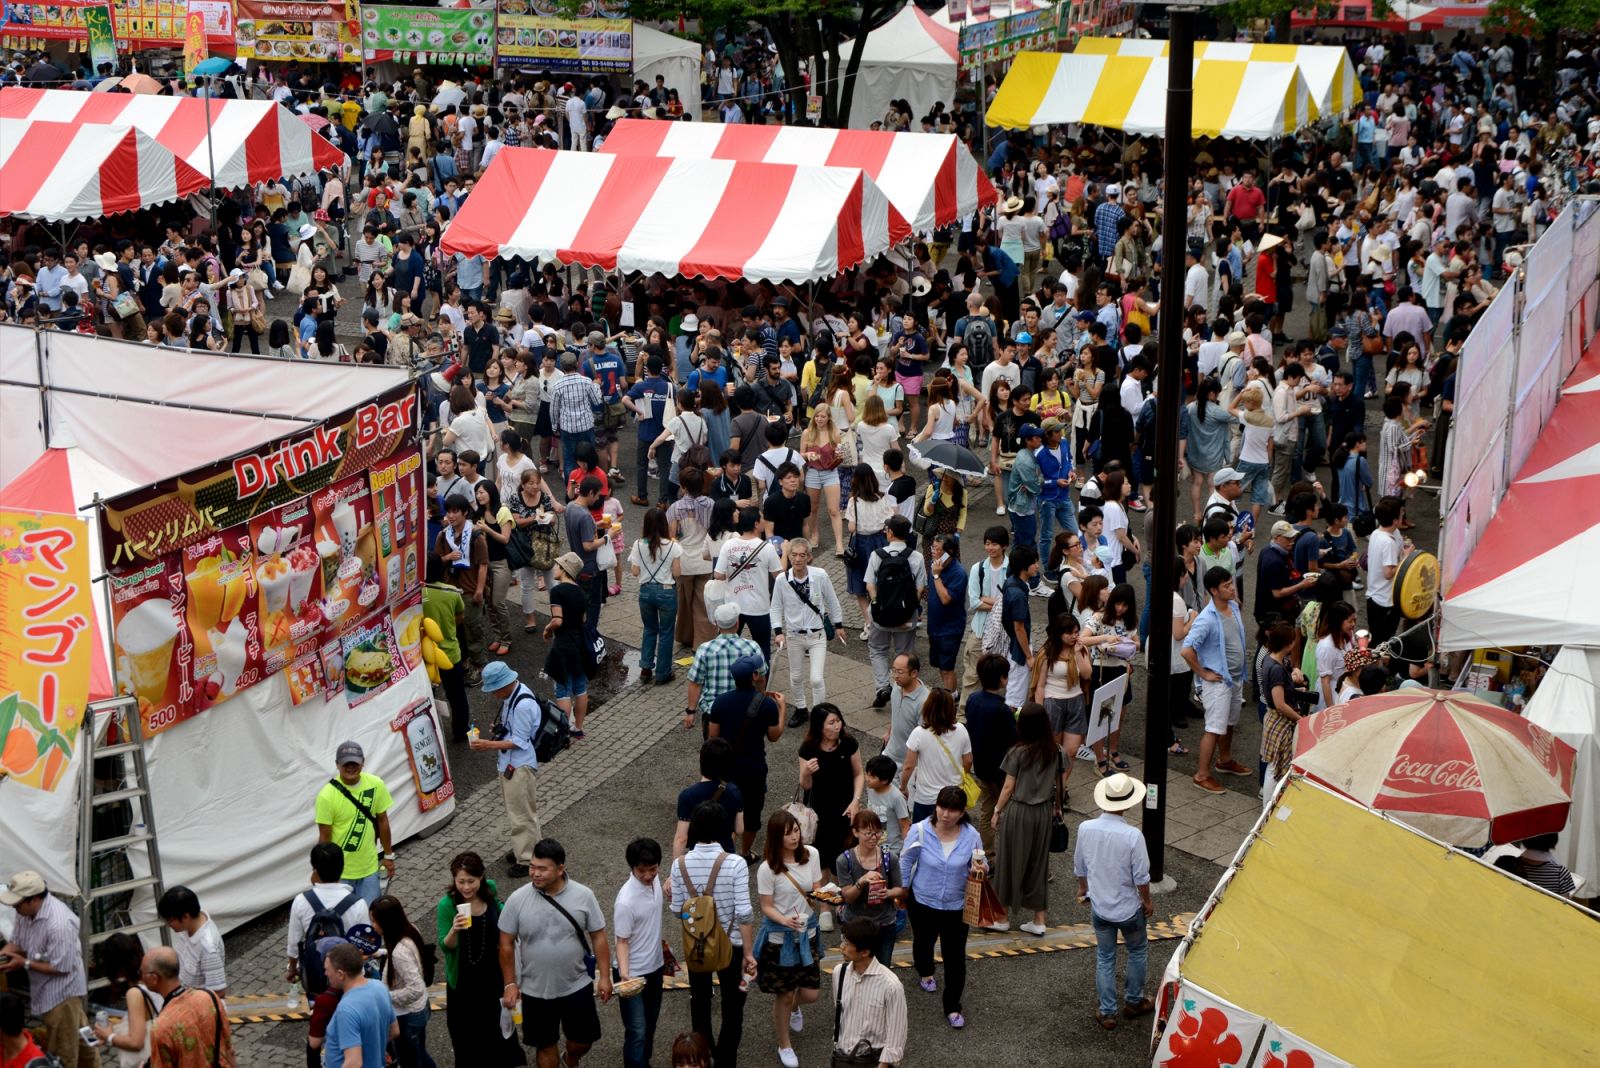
345 525
146 636
464 910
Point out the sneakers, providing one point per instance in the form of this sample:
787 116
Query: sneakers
866 632
824 923
1040 590
799 717
957 1020
928 983
1000 509
1035 929
998 925
615 476
1233 767
1135 1009
881 699
1358 585
1210 785
787 1057
797 1021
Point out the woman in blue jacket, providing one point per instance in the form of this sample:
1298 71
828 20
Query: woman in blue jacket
938 854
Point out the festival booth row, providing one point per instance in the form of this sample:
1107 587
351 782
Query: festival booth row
1341 936
1521 507
236 544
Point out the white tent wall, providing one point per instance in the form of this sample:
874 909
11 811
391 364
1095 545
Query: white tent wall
233 788
1567 704
901 60
676 60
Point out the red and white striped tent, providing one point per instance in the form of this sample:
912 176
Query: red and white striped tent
1528 580
61 171
931 179
706 218
251 140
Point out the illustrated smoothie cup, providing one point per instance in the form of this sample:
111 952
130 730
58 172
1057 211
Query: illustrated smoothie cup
328 551
273 577
303 564
146 636
346 526
231 647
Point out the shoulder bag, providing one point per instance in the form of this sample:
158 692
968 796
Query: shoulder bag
969 784
583 936
363 809
850 555
829 628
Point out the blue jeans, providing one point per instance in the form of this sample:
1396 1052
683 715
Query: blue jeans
639 1015
1105 960
1361 371
369 887
569 449
658 608
1052 514
1024 528
412 1044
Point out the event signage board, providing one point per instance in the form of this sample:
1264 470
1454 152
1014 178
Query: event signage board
34 25
295 30
47 644
102 39
427 35
142 24
997 40
529 35
429 768
292 558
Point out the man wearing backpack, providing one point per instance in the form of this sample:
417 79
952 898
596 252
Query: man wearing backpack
327 909
896 582
977 330
352 813
707 871
515 730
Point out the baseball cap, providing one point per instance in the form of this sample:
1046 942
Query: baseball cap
726 615
1339 331
349 753
1282 529
1226 475
1113 190
1028 430
24 884
748 667
596 339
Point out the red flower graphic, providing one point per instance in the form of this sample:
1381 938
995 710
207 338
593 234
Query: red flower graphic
1205 1041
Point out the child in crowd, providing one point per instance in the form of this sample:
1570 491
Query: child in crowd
885 798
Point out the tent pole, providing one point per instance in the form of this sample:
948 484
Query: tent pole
211 162
1169 403
44 391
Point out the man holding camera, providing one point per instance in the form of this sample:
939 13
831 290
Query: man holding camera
512 740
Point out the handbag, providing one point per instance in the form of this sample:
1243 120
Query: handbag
1059 837
848 449
258 320
982 906
519 548
605 557
828 627
850 556
125 305
804 815
257 278
969 783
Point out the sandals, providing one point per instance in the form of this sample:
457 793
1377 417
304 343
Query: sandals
1104 768
500 648
1117 761
1177 749
578 735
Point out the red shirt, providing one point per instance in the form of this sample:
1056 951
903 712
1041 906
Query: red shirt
1245 202
29 1052
1267 277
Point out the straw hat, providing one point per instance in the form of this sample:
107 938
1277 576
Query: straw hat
1118 793
1011 206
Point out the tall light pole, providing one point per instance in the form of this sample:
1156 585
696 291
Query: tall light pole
1169 403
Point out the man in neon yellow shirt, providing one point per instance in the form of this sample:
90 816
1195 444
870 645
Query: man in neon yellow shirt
352 813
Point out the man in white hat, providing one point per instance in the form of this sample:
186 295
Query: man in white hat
515 728
45 944
1113 870
711 674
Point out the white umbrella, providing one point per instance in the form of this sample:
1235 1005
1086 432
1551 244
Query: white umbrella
449 94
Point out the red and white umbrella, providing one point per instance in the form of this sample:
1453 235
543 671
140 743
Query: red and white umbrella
1452 765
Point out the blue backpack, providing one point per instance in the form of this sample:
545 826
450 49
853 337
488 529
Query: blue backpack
324 930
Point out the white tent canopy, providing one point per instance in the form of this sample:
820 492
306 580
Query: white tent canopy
127 415
676 60
911 57
1567 704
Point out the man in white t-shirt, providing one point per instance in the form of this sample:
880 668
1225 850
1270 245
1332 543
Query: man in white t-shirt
745 563
1385 549
1004 365
1196 279
332 895
636 923
202 962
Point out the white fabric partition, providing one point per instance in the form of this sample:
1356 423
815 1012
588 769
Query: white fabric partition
1567 704
676 60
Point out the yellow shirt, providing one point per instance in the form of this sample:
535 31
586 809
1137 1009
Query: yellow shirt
353 832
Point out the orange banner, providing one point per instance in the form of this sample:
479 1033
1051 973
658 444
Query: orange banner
46 643
194 40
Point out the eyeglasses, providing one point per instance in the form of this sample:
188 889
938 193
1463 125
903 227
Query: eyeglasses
869 832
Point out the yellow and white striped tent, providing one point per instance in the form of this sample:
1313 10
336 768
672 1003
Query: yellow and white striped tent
1232 98
1327 69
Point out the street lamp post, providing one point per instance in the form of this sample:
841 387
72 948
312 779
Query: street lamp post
1169 404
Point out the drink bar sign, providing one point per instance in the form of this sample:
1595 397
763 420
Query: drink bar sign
230 574
997 40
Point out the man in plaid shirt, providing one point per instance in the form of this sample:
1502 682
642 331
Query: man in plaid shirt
711 675
1106 217
573 400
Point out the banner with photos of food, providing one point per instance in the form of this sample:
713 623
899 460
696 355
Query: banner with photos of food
265 561
31 25
307 30
143 24
427 35
601 45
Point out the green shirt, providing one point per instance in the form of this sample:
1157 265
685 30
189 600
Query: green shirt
445 917
353 832
444 605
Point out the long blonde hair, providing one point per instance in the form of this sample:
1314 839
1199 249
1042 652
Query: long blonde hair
813 435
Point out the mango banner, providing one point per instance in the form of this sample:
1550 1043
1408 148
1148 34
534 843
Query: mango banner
427 35
260 565
46 643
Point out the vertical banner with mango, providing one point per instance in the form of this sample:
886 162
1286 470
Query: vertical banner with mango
46 644
262 564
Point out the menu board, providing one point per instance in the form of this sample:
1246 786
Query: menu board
427 35
530 33
31 25
303 30
160 23
290 559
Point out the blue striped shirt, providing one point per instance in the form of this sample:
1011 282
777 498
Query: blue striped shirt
51 935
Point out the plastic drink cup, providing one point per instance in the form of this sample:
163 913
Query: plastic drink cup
464 910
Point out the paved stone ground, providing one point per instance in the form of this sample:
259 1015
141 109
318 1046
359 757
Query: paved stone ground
622 781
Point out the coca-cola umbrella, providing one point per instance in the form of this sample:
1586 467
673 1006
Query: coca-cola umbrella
1450 764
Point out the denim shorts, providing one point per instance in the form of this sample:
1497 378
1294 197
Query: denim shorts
816 478
1257 481
574 686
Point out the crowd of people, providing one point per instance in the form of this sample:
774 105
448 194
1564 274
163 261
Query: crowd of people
764 428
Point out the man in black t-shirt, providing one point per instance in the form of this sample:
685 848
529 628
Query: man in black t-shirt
786 511
749 718
716 758
732 484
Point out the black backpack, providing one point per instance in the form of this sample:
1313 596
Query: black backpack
979 337
896 602
773 485
554 733
326 922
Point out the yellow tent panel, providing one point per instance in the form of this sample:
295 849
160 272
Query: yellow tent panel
1327 69
1386 948
1232 98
